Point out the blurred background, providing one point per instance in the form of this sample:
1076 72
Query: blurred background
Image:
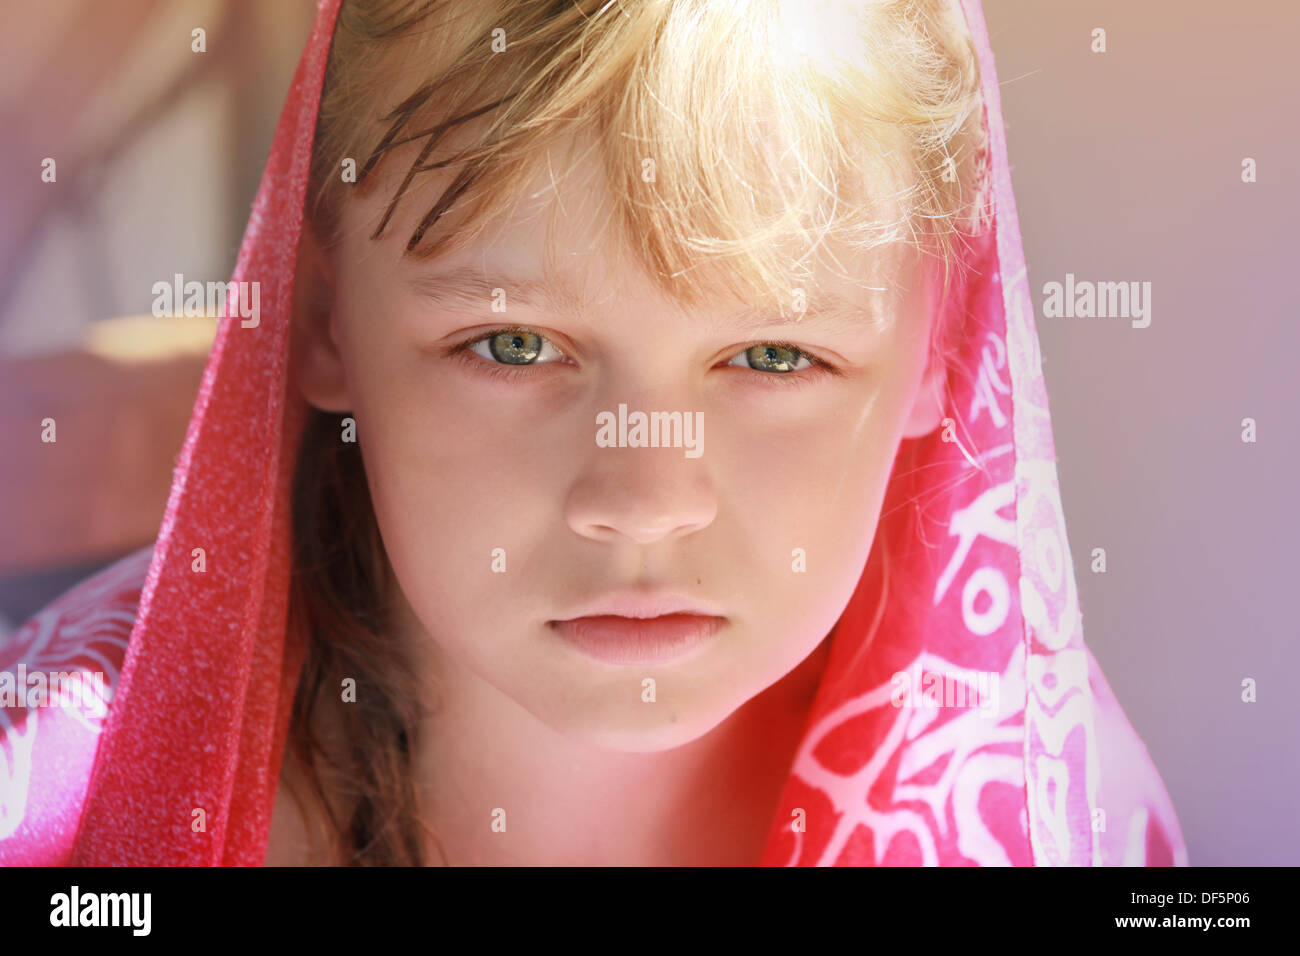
158 150
1127 167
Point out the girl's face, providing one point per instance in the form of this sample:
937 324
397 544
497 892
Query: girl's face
506 507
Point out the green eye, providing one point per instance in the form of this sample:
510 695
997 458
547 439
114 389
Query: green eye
515 347
772 357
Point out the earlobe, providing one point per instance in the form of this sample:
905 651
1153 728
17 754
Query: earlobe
927 411
316 363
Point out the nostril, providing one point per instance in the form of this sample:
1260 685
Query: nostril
612 502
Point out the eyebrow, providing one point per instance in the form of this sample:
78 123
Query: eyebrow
468 288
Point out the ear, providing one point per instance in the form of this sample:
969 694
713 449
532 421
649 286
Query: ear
317 365
928 405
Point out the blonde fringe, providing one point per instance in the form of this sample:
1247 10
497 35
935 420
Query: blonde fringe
762 150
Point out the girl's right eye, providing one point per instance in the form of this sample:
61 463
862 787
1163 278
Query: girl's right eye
514 346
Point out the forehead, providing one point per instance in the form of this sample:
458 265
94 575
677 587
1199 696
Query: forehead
467 287
555 248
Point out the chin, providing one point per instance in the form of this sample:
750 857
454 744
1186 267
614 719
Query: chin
652 728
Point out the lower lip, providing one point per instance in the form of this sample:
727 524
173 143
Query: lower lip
625 640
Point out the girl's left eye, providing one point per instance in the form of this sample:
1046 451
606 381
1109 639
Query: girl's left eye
777 357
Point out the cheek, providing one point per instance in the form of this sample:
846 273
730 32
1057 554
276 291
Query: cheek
819 477
803 504
459 480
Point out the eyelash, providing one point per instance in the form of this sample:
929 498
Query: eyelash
513 373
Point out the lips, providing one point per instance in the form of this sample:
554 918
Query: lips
620 639
643 604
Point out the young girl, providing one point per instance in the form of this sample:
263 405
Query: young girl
641 457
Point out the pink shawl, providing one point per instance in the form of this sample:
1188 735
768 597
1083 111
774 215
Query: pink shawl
981 583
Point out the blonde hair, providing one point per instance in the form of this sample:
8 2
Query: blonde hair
764 127
737 137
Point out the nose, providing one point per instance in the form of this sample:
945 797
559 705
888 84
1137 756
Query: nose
644 495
